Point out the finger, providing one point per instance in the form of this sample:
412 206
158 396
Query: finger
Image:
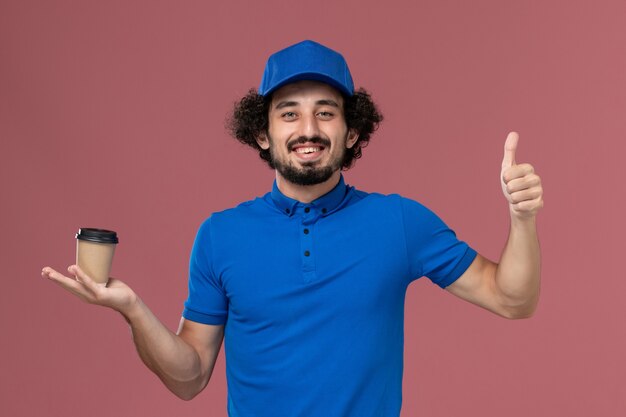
68 283
55 276
510 146
523 183
526 195
517 171
83 278
528 206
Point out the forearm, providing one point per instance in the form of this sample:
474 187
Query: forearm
174 361
519 270
172 357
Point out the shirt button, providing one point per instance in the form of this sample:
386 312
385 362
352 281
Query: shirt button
307 209
306 231
307 253
324 210
287 211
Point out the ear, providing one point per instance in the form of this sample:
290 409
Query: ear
262 141
353 136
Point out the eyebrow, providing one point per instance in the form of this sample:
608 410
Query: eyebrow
326 102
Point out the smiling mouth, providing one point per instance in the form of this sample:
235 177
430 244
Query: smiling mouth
308 149
304 145
308 153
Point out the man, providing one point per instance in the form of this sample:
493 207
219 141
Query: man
307 283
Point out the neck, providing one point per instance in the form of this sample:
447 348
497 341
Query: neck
306 193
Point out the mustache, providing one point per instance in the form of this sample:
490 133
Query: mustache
303 139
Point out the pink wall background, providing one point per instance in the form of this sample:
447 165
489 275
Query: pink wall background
111 115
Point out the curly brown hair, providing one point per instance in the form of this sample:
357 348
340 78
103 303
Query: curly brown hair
250 118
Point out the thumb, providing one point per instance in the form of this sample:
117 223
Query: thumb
509 150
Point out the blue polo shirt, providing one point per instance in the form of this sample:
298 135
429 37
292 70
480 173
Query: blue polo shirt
312 298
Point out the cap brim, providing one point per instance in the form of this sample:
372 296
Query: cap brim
309 76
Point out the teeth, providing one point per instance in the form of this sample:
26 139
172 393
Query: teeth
307 150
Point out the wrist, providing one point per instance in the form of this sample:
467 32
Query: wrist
133 309
523 228
523 220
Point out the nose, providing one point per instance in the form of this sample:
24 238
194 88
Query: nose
310 126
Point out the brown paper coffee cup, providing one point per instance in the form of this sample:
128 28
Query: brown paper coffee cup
94 252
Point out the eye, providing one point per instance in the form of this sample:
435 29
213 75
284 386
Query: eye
325 114
288 115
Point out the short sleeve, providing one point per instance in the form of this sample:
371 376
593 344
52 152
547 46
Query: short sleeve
207 302
433 249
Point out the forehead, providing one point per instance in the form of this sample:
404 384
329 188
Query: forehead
303 91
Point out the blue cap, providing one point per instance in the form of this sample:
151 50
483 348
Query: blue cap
306 60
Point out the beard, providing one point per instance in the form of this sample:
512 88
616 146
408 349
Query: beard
310 173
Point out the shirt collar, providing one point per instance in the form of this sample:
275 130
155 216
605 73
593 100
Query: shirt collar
329 201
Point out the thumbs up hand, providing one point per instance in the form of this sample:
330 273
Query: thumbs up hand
520 185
